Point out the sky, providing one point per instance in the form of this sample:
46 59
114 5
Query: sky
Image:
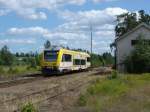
25 25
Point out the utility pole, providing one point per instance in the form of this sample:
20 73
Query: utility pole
91 30
91 38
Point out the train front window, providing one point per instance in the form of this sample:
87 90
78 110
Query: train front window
50 55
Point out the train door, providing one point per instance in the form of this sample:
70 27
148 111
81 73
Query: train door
66 62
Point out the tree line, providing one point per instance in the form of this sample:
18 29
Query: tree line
32 59
9 59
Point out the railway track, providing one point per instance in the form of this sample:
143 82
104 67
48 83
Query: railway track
59 86
31 78
20 80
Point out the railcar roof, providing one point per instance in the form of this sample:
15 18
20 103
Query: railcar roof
80 52
70 51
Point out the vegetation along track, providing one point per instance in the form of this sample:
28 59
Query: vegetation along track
38 91
35 77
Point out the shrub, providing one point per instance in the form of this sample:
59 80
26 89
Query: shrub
28 67
113 75
32 63
139 59
29 107
82 100
2 70
6 57
13 70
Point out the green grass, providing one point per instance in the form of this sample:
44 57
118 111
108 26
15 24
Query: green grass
118 94
9 71
29 107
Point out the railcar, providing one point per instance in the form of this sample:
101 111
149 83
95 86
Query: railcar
63 60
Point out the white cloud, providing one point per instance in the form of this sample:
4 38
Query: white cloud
4 12
30 9
16 41
102 21
75 32
28 31
97 1
31 14
93 16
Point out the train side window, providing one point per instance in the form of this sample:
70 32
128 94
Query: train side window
66 58
83 62
88 59
76 62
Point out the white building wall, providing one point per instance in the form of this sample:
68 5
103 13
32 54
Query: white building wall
124 46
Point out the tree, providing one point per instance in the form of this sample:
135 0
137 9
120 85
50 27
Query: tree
139 59
47 44
96 60
144 18
68 48
22 54
128 21
27 55
38 57
6 57
108 58
17 54
33 63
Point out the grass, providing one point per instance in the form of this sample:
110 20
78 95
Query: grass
124 93
9 71
29 107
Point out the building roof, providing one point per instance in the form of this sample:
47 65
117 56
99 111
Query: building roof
133 30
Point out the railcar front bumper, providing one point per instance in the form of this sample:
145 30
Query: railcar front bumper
50 70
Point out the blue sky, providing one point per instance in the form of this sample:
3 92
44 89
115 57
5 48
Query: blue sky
26 25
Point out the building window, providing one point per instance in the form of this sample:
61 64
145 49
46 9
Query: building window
66 58
135 42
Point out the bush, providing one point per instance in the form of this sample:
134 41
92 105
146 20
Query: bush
139 59
113 75
82 100
13 70
37 59
32 63
6 57
29 107
95 60
2 70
